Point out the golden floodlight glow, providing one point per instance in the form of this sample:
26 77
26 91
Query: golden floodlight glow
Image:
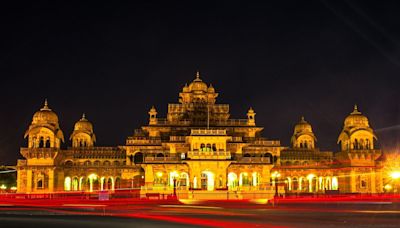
92 176
310 176
395 174
159 174
3 187
275 174
388 187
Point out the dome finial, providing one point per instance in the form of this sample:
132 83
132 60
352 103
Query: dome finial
355 111
83 116
46 105
198 74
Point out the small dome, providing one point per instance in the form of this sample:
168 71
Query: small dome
198 84
45 116
83 125
302 126
356 119
211 89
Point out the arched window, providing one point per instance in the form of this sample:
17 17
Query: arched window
116 163
48 142
68 163
355 144
269 156
305 144
160 155
246 155
106 163
208 147
202 146
214 147
40 183
138 158
87 163
41 142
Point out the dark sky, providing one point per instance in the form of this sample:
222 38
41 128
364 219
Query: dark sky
114 61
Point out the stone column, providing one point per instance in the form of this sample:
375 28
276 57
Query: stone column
148 176
373 181
29 181
353 181
51 180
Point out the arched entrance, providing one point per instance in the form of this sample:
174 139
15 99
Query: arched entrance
183 181
232 181
207 180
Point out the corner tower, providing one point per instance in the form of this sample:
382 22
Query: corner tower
83 135
303 136
356 133
44 131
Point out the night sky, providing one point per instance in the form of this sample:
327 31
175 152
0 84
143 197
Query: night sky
114 61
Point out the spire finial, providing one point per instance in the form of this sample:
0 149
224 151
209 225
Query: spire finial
83 116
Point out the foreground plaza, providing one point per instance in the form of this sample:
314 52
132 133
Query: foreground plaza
199 151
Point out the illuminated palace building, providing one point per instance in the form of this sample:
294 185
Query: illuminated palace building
199 151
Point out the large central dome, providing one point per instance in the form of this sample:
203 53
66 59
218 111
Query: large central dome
198 84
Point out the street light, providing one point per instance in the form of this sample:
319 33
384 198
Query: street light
395 175
276 175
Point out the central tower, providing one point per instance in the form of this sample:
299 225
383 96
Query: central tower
197 105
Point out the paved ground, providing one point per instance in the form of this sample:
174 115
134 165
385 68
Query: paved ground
218 214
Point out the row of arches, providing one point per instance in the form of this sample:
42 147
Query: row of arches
181 179
91 183
304 144
41 142
310 183
360 144
95 163
245 180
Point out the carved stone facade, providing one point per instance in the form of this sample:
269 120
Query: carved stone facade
201 152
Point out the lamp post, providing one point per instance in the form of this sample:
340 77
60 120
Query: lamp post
174 180
395 175
276 176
